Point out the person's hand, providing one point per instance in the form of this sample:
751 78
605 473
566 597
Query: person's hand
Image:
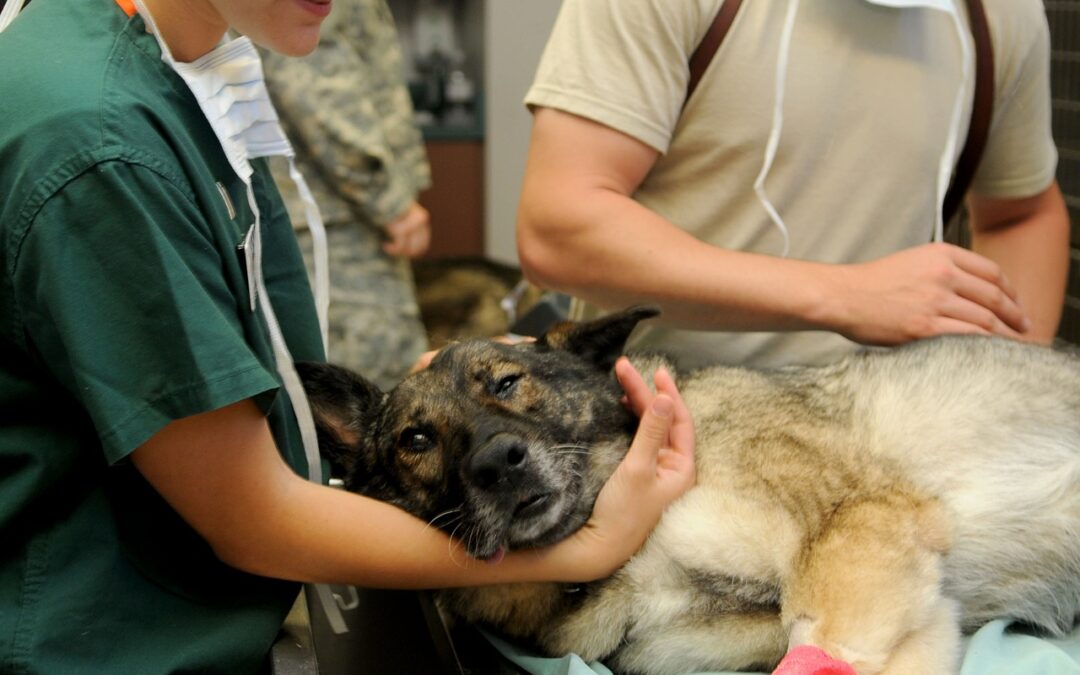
924 291
658 468
410 234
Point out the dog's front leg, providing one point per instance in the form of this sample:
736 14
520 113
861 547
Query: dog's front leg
867 588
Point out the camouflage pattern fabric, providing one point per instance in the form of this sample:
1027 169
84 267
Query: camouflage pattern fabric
347 112
375 325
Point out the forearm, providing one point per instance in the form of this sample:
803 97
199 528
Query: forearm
609 250
1032 249
312 533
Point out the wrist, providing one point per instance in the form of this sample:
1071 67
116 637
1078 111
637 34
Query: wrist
573 560
823 304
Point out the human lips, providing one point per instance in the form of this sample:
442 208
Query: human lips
320 8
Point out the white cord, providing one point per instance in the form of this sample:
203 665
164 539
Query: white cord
778 124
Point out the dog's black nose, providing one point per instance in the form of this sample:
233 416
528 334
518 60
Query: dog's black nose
497 462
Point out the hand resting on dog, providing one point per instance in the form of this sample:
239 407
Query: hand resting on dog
646 474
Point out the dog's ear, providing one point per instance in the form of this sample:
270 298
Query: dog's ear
600 341
341 402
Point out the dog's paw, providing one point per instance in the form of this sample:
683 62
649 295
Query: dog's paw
807 660
805 632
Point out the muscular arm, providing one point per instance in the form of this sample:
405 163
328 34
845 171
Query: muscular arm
580 231
222 473
1029 239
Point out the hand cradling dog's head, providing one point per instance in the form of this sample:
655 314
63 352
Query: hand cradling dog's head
502 446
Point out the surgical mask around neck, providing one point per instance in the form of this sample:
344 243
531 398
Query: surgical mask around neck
229 87
951 149
11 9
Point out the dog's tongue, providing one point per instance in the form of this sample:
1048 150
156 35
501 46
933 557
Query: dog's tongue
496 557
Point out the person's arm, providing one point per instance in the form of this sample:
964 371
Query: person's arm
1029 239
581 232
222 473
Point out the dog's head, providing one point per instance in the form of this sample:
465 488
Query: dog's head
503 446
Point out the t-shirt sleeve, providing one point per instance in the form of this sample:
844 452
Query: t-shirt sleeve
1020 158
622 64
125 297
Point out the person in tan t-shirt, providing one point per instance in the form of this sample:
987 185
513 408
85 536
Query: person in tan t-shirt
630 196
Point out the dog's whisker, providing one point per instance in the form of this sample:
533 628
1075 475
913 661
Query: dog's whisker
451 513
450 545
571 449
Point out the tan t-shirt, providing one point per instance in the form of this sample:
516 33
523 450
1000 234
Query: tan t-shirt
869 95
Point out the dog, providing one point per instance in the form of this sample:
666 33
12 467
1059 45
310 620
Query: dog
469 296
875 508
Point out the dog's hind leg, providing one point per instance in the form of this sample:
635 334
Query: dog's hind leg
932 648
867 588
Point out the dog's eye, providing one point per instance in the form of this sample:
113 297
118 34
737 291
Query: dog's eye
504 386
414 440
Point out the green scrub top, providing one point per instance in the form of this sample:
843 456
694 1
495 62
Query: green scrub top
123 306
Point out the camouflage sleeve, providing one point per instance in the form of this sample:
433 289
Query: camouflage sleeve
347 111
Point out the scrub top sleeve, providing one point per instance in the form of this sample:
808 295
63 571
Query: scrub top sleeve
137 304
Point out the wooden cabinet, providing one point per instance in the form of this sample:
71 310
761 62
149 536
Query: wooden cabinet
456 197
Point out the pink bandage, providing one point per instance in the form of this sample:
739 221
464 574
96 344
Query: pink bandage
809 660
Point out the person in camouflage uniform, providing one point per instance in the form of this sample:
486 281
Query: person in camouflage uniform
347 111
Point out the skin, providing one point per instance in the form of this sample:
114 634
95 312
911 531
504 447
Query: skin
220 470
597 243
1030 240
410 233
192 28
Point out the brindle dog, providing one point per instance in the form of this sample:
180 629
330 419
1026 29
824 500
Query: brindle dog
874 508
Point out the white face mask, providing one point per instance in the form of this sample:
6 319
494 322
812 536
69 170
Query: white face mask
229 87
949 153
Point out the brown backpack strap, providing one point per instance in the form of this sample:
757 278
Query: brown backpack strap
701 57
982 110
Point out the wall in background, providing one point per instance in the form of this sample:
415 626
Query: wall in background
515 32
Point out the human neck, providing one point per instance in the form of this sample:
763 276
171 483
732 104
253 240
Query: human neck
191 28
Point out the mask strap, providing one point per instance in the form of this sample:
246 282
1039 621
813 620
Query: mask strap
297 397
778 124
948 155
319 251
11 9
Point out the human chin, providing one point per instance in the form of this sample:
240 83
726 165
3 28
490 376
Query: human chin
300 43
295 40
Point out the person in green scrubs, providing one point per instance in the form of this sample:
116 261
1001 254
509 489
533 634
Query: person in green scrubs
154 511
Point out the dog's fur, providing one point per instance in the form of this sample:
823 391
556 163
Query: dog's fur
874 508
